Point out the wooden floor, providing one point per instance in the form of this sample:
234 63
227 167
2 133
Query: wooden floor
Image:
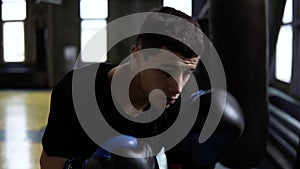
23 115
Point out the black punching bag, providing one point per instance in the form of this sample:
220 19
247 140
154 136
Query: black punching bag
239 33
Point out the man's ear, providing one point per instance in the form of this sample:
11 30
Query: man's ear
135 48
135 53
136 56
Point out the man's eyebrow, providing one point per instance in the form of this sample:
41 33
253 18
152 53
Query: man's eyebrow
191 62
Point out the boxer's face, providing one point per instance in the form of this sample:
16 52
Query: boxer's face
169 75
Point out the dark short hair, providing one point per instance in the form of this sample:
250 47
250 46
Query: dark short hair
151 40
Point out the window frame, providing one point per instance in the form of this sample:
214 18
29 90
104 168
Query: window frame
2 22
91 19
177 7
293 87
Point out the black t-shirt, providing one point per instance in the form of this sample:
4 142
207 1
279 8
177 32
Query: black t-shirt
64 136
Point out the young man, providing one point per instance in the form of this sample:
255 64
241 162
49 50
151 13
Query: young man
167 69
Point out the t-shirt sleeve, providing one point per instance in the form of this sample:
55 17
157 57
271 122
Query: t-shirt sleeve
64 136
63 131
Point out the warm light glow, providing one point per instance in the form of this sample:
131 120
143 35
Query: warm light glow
16 146
23 115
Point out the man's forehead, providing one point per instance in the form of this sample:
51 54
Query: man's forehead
190 62
166 57
181 63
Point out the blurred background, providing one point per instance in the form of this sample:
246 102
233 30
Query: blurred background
258 42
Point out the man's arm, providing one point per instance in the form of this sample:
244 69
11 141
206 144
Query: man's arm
55 138
47 162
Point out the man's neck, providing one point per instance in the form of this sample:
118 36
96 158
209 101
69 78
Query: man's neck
138 99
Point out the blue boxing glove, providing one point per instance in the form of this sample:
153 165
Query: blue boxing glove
103 156
115 143
133 155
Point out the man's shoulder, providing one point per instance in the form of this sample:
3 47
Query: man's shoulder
94 68
80 75
87 71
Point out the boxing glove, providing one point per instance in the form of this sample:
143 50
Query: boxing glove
219 124
227 130
123 152
115 143
103 153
